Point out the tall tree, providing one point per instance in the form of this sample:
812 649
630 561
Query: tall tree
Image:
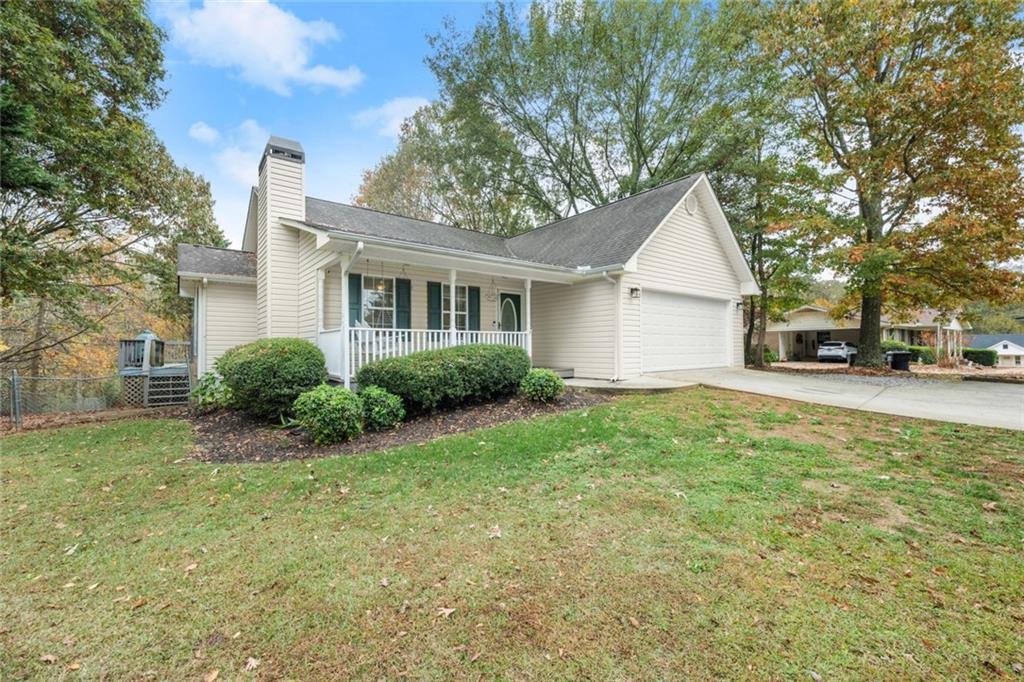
94 201
914 107
449 169
594 100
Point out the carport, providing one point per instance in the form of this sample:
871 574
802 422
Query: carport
798 336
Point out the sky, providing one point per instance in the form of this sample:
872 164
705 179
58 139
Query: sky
337 77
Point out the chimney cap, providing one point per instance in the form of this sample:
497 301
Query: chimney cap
283 147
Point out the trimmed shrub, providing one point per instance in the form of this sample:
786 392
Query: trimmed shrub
982 356
542 385
381 409
210 393
266 376
769 356
923 354
449 376
330 414
893 344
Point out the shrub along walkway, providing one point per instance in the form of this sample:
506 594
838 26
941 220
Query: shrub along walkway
687 535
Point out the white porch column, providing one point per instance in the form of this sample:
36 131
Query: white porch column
782 346
528 320
452 333
343 267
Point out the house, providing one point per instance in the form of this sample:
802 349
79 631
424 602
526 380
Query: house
800 332
651 282
1008 347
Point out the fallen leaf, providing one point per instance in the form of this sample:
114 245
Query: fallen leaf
634 622
475 657
495 533
75 666
139 604
48 659
252 663
212 675
384 582
814 676
191 567
442 611
989 506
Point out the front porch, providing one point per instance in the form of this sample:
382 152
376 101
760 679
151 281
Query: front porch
370 309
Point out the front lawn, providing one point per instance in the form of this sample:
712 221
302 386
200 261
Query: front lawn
684 535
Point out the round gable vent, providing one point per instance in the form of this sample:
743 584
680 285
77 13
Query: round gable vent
691 204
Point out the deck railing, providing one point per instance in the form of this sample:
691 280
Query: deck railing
370 345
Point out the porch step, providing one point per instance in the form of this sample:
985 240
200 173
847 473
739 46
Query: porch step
564 373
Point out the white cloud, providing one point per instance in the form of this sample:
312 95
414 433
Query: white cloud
239 161
388 117
203 132
269 46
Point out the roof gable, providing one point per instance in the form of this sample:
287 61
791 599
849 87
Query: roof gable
993 340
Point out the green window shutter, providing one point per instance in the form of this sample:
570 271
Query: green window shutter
403 304
355 299
474 309
433 305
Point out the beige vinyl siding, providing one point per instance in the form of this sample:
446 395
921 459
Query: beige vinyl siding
309 261
281 194
230 318
574 327
418 278
685 256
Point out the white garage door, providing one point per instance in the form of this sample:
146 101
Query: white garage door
682 332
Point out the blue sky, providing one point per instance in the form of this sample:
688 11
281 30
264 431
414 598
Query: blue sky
338 77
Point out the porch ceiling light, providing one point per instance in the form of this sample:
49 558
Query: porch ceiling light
634 292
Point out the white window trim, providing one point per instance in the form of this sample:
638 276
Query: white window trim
394 301
445 311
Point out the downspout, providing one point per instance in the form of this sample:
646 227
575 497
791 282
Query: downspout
617 347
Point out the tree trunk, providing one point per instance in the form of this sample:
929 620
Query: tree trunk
762 329
748 351
869 342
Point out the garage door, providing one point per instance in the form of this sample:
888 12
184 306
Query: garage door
682 332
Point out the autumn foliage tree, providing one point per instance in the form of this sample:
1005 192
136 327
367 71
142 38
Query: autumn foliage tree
914 108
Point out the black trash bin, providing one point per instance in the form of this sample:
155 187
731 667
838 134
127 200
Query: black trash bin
899 359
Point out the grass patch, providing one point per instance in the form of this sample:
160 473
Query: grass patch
706 533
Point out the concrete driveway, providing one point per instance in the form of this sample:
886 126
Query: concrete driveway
964 402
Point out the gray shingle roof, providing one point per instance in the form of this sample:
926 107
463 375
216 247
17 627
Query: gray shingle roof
207 260
988 340
600 237
603 236
365 221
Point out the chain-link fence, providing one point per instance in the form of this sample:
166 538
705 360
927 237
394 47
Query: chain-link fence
22 396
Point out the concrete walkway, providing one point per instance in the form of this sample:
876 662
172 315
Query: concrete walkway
648 383
962 402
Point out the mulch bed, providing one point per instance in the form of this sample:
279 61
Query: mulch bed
229 436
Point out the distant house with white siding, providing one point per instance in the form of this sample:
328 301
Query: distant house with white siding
647 283
1009 348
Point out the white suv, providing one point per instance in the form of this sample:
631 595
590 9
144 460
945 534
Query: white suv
836 351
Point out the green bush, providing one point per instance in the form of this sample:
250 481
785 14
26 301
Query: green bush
449 376
210 393
381 409
542 385
893 344
266 376
923 354
769 355
330 414
982 356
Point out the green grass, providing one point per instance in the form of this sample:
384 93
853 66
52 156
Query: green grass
684 535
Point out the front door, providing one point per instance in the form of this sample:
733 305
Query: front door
509 313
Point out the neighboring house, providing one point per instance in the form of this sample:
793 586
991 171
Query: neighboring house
647 283
1009 347
800 332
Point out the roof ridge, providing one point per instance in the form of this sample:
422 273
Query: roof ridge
214 248
406 217
610 203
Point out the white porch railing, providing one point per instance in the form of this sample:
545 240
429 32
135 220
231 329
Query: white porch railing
370 345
